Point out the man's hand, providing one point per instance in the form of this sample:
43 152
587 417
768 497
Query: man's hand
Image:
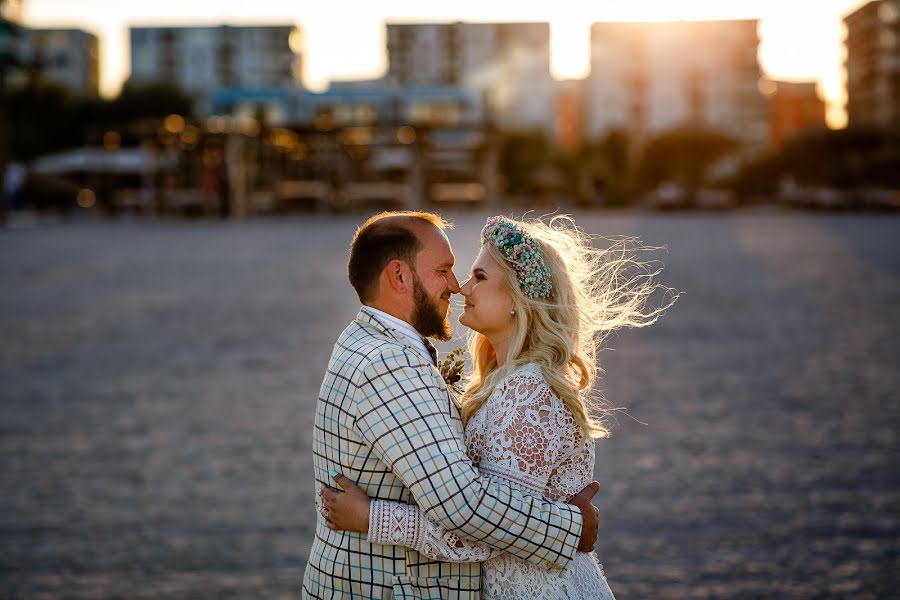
590 516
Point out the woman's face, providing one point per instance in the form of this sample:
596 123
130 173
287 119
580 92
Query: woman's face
488 301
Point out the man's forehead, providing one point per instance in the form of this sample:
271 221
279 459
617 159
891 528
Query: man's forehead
435 252
434 239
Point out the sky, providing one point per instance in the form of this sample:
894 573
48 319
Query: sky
344 39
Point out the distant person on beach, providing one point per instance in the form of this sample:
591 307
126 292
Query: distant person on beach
485 495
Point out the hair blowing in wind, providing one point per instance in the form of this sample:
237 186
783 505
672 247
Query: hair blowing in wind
600 285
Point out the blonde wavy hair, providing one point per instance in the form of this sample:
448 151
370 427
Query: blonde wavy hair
595 292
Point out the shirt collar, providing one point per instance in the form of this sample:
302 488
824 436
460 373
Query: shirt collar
401 327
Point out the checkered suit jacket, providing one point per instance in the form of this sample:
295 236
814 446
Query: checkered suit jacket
385 420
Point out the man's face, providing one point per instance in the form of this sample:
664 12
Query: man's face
433 285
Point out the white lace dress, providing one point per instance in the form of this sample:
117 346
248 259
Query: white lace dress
525 437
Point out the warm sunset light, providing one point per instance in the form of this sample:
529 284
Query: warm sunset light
569 48
799 39
231 229
787 51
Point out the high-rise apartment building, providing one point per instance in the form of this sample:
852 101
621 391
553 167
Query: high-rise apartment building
794 108
873 64
506 65
70 57
650 77
203 60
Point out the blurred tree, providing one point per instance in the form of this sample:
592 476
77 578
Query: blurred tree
615 148
43 116
147 100
522 155
604 167
680 156
49 118
845 159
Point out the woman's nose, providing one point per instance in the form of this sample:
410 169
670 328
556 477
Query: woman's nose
464 289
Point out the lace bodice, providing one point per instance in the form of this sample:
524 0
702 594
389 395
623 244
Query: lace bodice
524 436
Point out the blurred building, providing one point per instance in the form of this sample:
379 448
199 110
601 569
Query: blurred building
507 65
794 108
649 77
873 64
354 104
570 114
12 10
350 104
273 106
203 60
70 57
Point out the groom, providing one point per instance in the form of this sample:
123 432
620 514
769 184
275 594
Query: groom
384 419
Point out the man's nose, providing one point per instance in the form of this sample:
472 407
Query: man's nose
453 283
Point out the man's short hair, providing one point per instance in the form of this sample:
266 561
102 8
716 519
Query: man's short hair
382 238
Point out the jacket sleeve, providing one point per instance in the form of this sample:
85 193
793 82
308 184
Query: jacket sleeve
402 413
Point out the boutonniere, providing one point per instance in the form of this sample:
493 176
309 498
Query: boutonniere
451 369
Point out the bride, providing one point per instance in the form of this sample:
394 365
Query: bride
539 302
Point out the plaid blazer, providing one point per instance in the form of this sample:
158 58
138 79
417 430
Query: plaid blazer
385 420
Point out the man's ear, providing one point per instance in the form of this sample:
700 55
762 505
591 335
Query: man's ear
398 275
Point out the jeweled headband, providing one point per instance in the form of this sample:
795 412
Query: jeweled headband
523 252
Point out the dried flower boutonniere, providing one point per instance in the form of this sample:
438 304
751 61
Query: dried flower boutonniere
451 369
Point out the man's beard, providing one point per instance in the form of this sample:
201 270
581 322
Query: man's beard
427 317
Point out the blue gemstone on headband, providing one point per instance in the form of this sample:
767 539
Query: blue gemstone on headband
519 248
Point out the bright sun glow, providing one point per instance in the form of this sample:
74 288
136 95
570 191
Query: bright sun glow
569 48
342 39
799 40
816 52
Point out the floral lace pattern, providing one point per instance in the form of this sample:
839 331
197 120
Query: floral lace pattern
526 437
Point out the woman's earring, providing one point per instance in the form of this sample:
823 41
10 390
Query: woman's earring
512 311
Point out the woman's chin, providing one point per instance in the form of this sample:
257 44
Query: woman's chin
470 323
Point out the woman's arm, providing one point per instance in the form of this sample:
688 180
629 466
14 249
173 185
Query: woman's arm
405 421
531 431
395 523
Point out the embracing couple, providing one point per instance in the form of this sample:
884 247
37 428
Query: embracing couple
423 495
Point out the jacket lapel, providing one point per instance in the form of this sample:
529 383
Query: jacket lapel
368 318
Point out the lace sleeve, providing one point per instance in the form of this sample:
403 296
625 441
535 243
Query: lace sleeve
398 524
